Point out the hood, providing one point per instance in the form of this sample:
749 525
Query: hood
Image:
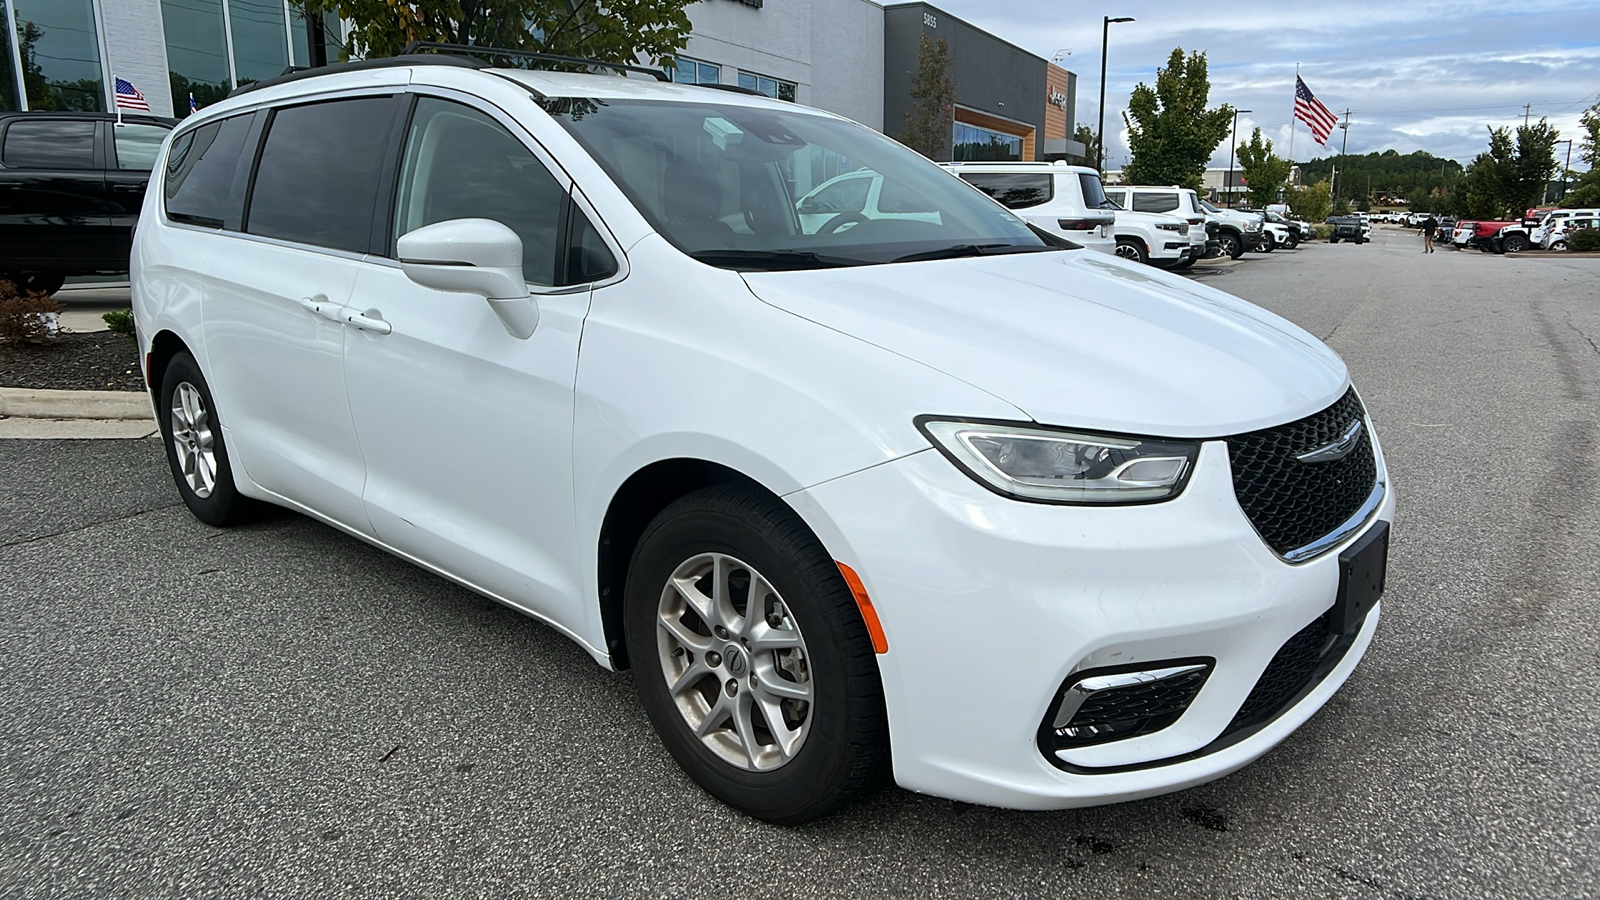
1078 339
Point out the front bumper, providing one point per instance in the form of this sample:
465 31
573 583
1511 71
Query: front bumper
989 604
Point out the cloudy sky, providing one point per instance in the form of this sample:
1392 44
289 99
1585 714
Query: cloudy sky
1416 75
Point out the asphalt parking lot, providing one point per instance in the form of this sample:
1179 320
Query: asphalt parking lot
280 710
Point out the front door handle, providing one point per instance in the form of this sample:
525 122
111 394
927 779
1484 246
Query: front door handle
367 321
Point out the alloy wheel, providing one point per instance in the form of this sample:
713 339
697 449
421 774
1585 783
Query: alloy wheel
735 662
194 440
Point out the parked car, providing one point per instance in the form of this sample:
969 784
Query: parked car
71 185
1484 232
1346 228
1175 201
1462 233
1511 239
1539 235
1247 229
1059 198
1444 229
1298 230
956 499
1560 230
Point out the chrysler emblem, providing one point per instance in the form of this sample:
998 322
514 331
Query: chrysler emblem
1338 449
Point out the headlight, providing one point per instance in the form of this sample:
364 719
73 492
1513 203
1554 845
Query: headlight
1252 226
1032 462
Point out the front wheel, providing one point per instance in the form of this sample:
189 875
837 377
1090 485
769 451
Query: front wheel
1559 246
1292 242
1333 239
1131 250
1268 243
1515 243
751 658
1232 247
196 451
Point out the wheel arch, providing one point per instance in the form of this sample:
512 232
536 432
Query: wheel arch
163 347
636 502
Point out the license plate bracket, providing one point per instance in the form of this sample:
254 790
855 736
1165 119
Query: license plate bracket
1363 569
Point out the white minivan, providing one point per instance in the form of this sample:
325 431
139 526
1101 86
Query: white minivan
938 497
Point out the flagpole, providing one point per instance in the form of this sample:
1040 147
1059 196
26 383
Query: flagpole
1291 113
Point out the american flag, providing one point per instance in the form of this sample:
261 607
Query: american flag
128 96
1308 109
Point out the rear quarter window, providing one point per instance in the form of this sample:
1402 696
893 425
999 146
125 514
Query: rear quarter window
1155 201
49 144
203 172
1014 190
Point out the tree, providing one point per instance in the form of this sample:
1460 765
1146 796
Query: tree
1311 202
1590 145
1170 132
1264 172
1533 167
933 101
1085 135
618 31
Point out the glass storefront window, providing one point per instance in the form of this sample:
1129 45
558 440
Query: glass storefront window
772 87
197 52
60 54
692 71
974 144
260 44
8 74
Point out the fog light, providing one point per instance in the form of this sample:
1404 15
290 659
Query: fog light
1100 705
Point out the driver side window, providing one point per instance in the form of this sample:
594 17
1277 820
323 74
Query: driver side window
459 163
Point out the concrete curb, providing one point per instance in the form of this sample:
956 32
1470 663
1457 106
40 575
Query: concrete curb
26 403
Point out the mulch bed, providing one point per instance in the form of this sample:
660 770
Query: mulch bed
88 361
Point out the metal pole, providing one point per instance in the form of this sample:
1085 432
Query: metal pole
16 57
1233 143
1100 133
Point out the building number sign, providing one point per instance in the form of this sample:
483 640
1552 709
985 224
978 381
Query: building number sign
930 20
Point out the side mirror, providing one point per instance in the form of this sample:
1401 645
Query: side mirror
473 256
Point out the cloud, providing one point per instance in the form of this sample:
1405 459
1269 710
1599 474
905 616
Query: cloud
1416 76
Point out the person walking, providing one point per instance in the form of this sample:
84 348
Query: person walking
1428 226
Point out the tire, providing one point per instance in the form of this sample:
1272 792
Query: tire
1559 246
838 730
1232 246
196 452
1131 250
1293 243
1268 243
1514 243
1333 239
42 283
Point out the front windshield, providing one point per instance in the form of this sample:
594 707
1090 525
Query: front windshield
756 188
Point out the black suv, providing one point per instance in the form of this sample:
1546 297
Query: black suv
71 185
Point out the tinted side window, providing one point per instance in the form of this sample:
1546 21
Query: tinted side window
46 144
1146 201
317 181
845 195
1014 190
138 145
1094 193
200 172
461 164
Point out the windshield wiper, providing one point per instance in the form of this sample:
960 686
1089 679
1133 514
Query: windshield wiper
959 250
772 260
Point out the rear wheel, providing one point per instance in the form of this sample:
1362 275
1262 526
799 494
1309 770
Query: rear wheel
1132 250
1292 242
196 451
1559 246
1514 243
751 657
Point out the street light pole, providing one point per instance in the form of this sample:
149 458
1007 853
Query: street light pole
1232 143
1565 169
1100 134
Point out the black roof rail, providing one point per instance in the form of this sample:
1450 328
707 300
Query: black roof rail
298 73
471 49
733 89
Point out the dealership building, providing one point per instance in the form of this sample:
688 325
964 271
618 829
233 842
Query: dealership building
852 57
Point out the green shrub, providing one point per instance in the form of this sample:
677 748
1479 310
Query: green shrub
27 318
1585 239
1322 232
121 322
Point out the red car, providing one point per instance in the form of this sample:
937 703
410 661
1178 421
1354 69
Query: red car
1483 234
